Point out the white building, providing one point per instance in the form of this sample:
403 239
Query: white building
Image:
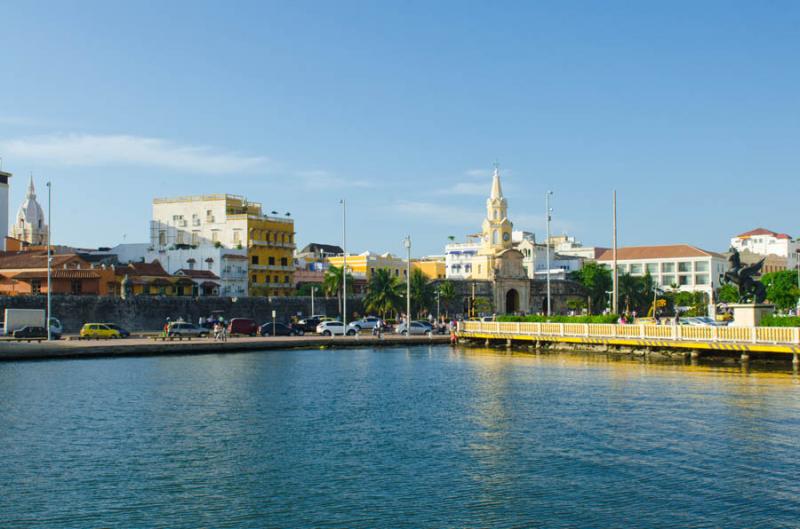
4 205
765 242
568 246
229 264
458 259
30 225
689 267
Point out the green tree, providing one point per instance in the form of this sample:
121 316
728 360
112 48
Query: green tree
422 292
728 293
447 294
596 279
782 288
304 289
482 305
384 293
332 283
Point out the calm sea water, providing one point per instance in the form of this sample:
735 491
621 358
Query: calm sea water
407 437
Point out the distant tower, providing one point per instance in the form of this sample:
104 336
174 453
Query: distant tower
30 225
496 226
4 204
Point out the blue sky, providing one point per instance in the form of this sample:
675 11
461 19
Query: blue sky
688 109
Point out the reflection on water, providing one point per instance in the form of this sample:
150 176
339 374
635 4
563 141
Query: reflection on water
402 437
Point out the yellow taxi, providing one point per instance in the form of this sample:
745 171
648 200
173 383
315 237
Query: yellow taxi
98 330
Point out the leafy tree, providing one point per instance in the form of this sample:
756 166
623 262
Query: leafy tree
596 279
782 288
384 293
422 292
332 283
305 289
447 294
482 305
728 293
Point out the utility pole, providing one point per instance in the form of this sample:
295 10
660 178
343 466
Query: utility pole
312 301
407 244
49 260
547 247
615 273
344 264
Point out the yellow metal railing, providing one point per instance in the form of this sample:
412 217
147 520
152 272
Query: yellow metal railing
683 333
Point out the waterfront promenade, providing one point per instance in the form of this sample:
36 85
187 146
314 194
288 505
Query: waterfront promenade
694 340
150 346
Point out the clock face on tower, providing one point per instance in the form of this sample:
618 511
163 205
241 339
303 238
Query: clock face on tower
506 236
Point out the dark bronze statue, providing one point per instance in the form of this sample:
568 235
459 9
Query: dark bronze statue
750 290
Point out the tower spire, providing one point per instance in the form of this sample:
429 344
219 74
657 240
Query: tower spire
497 191
31 189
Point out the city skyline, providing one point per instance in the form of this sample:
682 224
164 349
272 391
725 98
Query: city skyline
691 123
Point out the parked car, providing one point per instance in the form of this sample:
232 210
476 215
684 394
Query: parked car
417 328
368 323
123 333
98 330
32 331
182 328
701 321
243 326
331 328
310 324
281 329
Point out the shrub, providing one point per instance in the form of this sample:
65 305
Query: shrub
601 318
771 320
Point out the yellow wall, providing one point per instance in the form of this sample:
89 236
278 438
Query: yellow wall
362 266
431 269
270 239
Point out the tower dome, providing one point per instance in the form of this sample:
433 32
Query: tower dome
30 225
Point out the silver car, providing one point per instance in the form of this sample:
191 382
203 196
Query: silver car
417 328
368 323
186 329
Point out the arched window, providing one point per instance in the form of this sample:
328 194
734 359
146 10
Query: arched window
495 237
496 214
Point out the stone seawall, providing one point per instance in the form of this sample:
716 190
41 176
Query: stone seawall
147 313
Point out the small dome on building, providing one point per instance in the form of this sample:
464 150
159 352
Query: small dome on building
31 225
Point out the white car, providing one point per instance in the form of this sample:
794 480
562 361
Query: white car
331 328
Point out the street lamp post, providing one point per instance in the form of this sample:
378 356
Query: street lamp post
549 212
49 261
438 311
344 264
312 301
407 244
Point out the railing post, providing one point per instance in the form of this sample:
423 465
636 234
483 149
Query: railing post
753 335
519 328
796 337
586 329
714 334
561 328
641 331
676 333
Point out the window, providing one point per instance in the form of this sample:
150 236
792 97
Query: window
237 237
284 261
684 266
162 238
636 268
254 279
195 238
271 261
254 260
668 268
179 239
275 279
215 236
652 268
285 279
468 268
701 279
36 286
683 280
622 269
495 237
701 266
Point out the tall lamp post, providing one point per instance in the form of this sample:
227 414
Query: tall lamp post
312 301
549 212
344 264
407 244
49 261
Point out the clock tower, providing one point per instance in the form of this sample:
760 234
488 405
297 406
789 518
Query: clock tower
496 233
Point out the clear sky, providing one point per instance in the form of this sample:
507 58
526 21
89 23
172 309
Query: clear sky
688 109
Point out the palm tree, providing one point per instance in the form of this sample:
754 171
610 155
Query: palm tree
332 283
384 293
447 294
422 293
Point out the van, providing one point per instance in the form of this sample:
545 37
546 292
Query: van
243 326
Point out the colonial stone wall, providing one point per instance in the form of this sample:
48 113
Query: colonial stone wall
560 290
147 313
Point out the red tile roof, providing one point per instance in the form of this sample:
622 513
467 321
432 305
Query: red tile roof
142 269
197 274
672 251
763 231
9 260
59 273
